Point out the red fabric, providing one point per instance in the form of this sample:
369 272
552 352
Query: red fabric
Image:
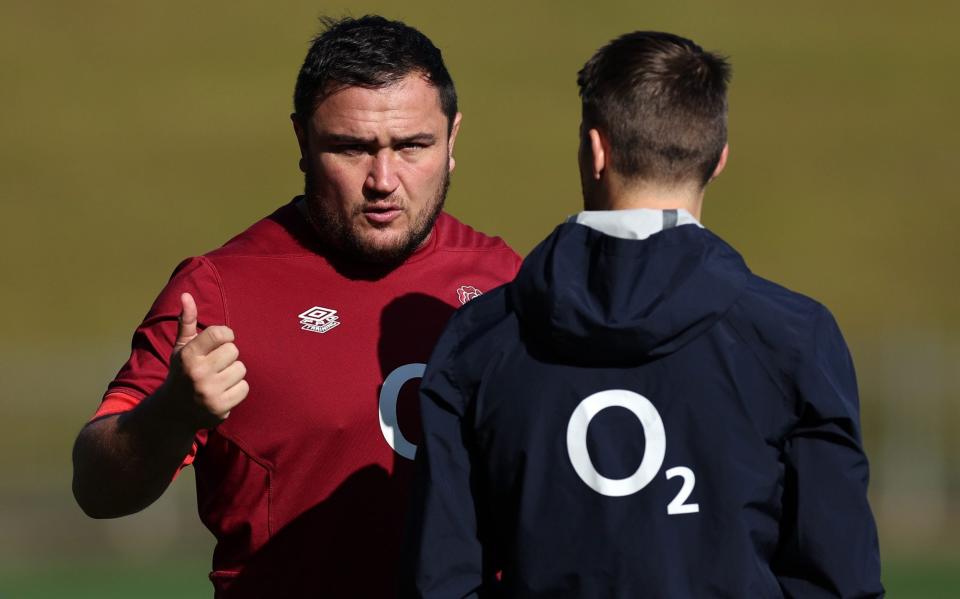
116 403
299 486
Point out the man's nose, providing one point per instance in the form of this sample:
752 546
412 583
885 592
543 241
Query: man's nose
382 177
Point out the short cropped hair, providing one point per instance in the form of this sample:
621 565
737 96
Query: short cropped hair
370 52
661 100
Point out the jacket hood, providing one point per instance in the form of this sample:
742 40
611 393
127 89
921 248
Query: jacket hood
592 298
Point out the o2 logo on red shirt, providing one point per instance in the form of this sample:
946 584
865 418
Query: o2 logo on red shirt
653 454
389 395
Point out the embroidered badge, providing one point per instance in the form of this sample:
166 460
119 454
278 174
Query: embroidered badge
467 292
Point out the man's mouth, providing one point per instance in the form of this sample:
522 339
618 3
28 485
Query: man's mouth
381 214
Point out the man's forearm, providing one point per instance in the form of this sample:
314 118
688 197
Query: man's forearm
123 463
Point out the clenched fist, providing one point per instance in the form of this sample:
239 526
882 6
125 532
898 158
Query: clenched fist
206 378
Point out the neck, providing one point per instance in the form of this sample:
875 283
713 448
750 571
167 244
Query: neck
619 195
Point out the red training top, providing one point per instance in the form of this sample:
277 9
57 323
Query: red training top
304 485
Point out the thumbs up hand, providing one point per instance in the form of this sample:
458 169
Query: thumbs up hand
206 378
187 323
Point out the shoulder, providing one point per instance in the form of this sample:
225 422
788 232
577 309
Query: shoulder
282 233
480 316
770 302
454 235
485 256
800 343
478 321
475 334
782 327
274 236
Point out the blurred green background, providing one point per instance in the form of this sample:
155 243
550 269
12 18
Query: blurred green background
135 134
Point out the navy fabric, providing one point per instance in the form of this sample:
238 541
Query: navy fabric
761 491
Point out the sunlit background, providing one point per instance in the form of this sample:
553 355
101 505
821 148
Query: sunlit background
135 134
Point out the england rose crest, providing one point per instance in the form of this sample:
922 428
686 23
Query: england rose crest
467 292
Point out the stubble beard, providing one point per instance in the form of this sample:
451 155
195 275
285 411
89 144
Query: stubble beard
338 234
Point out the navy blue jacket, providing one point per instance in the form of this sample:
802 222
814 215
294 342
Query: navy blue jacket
640 418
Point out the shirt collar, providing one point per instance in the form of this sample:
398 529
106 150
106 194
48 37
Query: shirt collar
637 223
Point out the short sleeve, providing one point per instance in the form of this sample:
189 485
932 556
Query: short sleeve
146 368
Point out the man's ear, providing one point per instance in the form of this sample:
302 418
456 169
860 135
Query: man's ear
301 133
597 161
722 163
452 140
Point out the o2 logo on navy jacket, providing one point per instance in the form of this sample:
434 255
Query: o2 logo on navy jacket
653 454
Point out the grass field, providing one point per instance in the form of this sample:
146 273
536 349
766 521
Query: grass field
186 579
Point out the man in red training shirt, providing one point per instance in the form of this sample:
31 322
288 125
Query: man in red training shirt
333 302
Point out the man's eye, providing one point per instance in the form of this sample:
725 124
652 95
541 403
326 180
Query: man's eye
351 150
410 146
347 149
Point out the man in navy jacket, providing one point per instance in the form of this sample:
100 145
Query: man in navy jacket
637 414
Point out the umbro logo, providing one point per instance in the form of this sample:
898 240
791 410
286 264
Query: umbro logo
319 319
467 292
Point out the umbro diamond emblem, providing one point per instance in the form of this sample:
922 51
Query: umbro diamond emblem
319 319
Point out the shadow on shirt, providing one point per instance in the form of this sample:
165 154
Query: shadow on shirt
348 544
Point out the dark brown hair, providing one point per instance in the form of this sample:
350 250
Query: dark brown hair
661 100
371 52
